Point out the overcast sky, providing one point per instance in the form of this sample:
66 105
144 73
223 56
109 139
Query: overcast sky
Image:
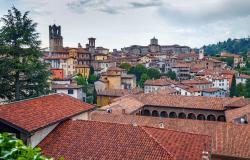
119 23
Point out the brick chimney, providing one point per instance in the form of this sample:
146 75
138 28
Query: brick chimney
205 155
123 111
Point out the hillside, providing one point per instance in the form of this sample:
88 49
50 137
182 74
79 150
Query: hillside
237 46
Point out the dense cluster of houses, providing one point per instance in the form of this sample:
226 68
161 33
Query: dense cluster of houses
196 74
189 118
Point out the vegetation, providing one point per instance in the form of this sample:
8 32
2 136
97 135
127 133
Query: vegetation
237 46
142 73
13 148
244 89
88 85
171 74
22 74
126 66
228 60
233 89
143 79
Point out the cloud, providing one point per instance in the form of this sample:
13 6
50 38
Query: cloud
152 3
203 12
81 6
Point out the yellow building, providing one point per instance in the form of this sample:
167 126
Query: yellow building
84 70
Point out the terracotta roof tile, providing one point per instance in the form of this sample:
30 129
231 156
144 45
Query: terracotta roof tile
233 114
228 139
97 140
33 114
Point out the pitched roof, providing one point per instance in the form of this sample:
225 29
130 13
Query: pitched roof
96 140
194 102
244 76
228 139
65 86
234 114
196 82
33 114
157 82
113 92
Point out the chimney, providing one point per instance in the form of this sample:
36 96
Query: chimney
205 155
134 123
123 111
161 125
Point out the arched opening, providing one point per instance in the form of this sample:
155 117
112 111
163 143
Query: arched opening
146 112
164 114
191 116
201 117
182 115
221 118
172 115
155 113
211 117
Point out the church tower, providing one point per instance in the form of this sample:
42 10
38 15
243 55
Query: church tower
55 38
91 45
201 53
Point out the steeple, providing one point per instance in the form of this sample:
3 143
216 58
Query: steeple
55 38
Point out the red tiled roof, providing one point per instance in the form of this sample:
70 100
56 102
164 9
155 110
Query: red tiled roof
229 139
234 114
97 140
194 102
244 76
211 89
157 82
196 82
33 114
65 86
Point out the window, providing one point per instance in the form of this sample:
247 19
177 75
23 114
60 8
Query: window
70 91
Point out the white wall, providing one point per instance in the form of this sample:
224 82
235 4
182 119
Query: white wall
240 80
35 139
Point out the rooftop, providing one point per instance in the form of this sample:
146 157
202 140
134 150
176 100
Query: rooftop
34 114
77 140
228 139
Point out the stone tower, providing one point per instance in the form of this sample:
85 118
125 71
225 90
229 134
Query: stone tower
91 45
154 41
55 38
201 53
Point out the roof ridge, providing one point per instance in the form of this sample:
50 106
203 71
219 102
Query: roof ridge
143 129
30 98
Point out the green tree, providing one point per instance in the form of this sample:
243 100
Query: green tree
81 80
143 79
247 64
153 73
247 88
13 148
91 70
241 89
228 60
233 90
22 73
171 75
93 78
126 66
138 70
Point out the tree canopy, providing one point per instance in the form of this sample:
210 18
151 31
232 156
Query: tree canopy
237 46
22 73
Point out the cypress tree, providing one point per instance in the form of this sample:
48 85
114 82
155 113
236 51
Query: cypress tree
22 72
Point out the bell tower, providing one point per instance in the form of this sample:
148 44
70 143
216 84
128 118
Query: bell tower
91 45
55 38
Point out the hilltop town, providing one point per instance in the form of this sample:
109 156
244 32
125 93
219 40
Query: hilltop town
152 101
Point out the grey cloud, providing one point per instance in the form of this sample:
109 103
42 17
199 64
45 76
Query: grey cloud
83 5
152 3
222 10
